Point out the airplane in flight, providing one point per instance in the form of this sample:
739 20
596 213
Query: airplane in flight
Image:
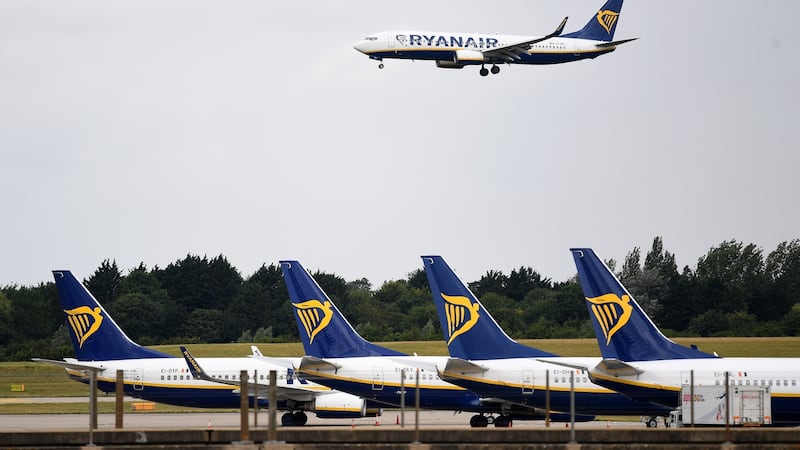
100 345
485 360
642 363
457 50
338 357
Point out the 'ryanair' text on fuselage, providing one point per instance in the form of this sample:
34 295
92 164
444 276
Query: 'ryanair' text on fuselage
420 40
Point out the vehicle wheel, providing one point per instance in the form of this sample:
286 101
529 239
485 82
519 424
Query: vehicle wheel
287 419
478 421
484 71
495 70
300 418
652 423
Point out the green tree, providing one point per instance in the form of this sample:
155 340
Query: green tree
204 325
195 282
731 277
782 271
105 282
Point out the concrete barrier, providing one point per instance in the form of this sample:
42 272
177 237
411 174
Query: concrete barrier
496 439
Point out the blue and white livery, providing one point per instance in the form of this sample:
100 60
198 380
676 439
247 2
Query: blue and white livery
642 363
101 346
456 50
487 361
338 357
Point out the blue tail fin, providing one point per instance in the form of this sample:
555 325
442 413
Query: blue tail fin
95 336
468 328
601 27
323 329
622 328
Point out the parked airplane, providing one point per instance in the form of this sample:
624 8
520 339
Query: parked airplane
338 357
640 362
485 360
456 50
102 346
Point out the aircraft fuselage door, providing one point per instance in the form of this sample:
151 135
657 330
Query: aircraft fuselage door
390 40
377 379
136 376
527 381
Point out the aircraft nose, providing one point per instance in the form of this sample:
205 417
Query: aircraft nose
361 45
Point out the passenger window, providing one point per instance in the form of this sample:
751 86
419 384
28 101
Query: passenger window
162 377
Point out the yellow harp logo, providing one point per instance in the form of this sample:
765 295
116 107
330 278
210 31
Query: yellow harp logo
84 322
611 312
607 19
461 315
314 315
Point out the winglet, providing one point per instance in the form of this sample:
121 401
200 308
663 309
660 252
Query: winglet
194 367
470 331
560 28
623 329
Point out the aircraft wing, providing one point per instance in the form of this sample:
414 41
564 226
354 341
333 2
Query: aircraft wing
274 361
283 392
512 52
70 364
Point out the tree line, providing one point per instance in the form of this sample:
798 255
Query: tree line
734 290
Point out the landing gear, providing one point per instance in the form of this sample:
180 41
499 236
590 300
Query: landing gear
380 65
484 71
479 421
294 419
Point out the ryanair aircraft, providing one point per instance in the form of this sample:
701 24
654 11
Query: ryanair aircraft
338 357
642 363
101 346
456 50
485 360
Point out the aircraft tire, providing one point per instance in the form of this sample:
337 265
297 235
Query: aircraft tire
287 419
478 421
495 70
484 71
300 418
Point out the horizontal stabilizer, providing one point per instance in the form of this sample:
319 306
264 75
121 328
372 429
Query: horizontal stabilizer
617 368
459 365
615 43
70 365
314 363
565 364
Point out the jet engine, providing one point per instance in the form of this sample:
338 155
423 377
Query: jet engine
343 406
460 59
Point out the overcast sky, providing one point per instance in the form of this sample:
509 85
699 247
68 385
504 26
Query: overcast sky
143 131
